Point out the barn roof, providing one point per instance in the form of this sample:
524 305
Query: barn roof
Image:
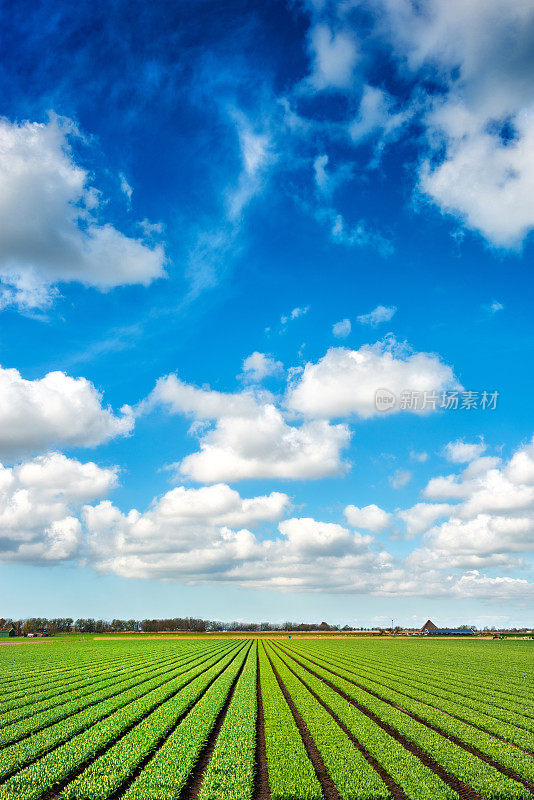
429 625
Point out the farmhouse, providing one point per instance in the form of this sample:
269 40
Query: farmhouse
429 629
7 630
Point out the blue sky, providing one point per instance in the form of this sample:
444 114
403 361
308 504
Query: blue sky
223 228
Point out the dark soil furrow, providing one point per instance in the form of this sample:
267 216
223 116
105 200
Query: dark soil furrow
262 790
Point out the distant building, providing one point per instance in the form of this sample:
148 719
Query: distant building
429 629
7 630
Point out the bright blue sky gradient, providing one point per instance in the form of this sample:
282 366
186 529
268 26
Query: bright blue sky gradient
246 161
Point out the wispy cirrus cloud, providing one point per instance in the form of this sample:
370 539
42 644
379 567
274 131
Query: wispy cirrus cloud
342 329
377 315
216 245
334 57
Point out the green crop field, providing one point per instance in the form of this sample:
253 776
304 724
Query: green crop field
279 718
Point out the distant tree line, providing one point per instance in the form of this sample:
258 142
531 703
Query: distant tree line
35 625
39 625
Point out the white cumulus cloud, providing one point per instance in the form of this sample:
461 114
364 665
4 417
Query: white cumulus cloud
56 410
335 55
50 229
481 125
297 312
253 434
308 555
344 382
488 519
378 117
250 437
370 518
421 457
421 516
460 451
400 478
266 446
40 502
258 366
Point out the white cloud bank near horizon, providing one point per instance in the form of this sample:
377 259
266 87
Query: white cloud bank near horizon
486 527
466 525
207 534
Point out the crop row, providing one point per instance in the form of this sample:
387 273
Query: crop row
506 726
477 695
114 767
416 780
481 776
489 675
291 774
109 688
230 771
438 681
505 754
134 721
346 765
60 661
483 659
70 661
110 716
38 686
28 702
166 774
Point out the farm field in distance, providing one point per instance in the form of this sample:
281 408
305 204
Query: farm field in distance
276 717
